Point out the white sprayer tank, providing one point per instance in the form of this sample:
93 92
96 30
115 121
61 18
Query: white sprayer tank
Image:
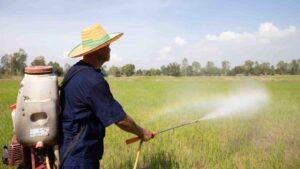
36 116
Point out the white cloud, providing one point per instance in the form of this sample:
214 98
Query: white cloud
269 30
180 41
268 43
166 53
265 32
228 36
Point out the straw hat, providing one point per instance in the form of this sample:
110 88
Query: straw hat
93 38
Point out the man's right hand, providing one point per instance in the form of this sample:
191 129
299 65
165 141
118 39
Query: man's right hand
129 125
146 135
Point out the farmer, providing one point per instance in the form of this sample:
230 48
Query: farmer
88 106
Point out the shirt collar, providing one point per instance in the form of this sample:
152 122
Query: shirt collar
82 63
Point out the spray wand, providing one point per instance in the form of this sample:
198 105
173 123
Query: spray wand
135 139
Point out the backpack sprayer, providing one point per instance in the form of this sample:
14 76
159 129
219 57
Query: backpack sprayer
35 121
135 139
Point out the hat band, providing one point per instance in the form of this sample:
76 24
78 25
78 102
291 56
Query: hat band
93 44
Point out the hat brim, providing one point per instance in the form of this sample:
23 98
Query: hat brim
79 51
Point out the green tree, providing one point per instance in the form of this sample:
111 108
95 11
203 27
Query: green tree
183 68
211 69
146 72
155 72
128 70
272 70
282 67
266 68
189 70
139 72
248 67
114 71
298 62
17 62
257 69
39 61
56 68
173 69
66 68
5 64
196 67
14 64
225 67
164 70
238 70
294 67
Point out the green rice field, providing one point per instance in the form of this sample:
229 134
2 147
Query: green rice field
268 138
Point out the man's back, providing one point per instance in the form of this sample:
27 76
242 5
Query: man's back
86 102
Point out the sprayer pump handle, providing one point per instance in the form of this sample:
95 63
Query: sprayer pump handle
135 139
132 140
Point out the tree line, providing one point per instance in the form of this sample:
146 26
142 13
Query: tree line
14 64
210 69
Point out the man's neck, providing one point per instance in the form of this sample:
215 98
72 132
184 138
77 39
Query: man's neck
93 62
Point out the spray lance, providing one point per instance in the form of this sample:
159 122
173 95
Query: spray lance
135 139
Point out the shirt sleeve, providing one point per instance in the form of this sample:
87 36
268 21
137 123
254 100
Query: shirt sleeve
102 102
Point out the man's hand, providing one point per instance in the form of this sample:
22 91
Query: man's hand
146 135
129 125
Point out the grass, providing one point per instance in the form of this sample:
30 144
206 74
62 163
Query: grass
268 139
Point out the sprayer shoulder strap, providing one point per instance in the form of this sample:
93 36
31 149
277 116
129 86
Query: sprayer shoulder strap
71 145
77 136
69 76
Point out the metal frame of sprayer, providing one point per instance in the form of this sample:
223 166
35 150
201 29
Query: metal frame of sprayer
34 157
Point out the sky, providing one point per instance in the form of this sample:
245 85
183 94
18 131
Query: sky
156 32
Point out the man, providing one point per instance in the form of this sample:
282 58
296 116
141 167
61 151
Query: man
88 106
